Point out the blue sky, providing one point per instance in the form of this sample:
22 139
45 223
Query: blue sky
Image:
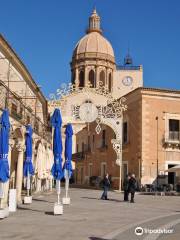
44 33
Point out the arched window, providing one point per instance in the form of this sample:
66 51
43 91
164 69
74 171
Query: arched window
92 78
102 78
73 77
110 83
81 79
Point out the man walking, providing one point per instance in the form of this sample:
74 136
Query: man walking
106 185
125 187
132 187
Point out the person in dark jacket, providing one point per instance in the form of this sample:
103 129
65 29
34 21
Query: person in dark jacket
125 187
132 187
106 185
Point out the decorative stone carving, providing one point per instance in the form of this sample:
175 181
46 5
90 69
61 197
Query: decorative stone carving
110 112
11 143
20 146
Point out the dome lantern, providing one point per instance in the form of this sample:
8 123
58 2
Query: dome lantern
94 22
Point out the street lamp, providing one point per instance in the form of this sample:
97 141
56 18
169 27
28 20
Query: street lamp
157 163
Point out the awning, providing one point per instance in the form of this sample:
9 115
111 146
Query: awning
174 169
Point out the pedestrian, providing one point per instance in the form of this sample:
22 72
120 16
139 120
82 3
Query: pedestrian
125 187
132 187
106 186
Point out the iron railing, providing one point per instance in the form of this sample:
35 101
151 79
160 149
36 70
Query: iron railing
127 67
174 135
22 113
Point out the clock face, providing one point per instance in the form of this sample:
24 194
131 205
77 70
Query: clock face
88 112
127 81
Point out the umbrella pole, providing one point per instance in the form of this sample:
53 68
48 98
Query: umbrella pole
58 207
58 189
28 184
28 198
67 184
2 193
28 188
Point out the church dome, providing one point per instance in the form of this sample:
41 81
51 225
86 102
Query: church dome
94 42
93 61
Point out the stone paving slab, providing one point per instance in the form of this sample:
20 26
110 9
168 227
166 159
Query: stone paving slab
155 224
87 218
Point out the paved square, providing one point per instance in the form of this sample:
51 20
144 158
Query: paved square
88 218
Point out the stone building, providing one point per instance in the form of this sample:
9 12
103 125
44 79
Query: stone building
151 140
93 64
26 104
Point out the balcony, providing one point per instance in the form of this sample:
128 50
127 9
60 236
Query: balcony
174 136
78 156
172 139
128 67
21 112
16 115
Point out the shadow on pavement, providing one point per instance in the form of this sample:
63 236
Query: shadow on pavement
49 213
41 200
110 199
28 209
96 238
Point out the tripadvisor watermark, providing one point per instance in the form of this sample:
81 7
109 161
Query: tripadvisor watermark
140 231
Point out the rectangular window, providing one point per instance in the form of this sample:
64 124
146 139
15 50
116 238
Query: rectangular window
103 170
174 126
82 174
93 141
103 138
28 121
21 111
125 170
83 147
125 132
89 144
77 148
14 108
90 170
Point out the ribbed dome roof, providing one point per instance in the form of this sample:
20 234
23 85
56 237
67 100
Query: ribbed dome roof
94 42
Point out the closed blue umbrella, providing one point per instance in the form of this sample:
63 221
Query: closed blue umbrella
28 166
4 146
56 122
68 157
68 150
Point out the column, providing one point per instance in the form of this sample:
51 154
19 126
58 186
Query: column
86 77
6 185
76 78
19 179
33 184
106 77
97 77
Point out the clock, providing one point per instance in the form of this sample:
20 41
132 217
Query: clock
88 112
127 81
